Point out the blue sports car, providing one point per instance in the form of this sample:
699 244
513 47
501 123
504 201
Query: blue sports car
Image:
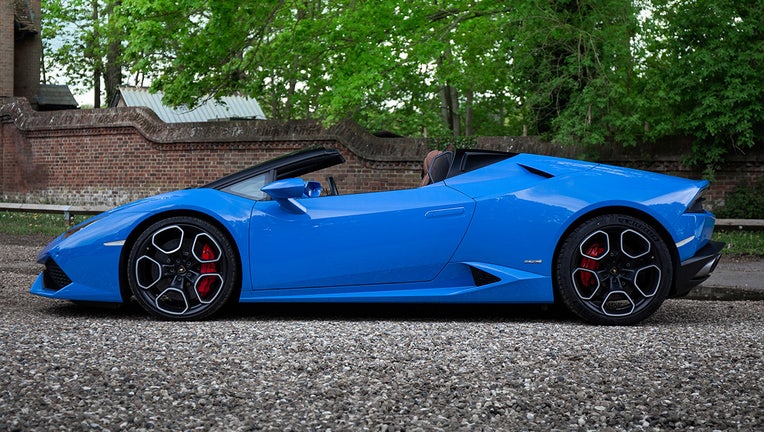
610 244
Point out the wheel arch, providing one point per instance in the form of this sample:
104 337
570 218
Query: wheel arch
629 211
124 287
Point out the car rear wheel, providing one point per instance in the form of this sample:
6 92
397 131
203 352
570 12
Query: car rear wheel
614 270
182 268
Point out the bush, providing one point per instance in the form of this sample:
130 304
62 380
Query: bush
745 202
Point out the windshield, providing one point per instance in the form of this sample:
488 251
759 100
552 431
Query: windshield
249 188
247 183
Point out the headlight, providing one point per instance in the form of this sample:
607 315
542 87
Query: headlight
76 228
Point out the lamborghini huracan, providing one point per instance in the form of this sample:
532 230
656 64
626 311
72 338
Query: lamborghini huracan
608 243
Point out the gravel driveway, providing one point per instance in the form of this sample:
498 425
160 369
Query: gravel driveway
694 364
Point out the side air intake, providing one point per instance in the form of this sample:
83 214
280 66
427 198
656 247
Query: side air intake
482 278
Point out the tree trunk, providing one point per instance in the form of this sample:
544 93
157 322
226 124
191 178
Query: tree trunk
468 111
445 106
96 60
113 78
455 121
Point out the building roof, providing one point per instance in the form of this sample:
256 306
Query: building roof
55 96
229 107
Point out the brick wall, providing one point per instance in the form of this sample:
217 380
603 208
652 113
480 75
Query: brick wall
112 156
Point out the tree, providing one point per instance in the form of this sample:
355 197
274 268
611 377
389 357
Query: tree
382 63
704 72
82 45
587 72
421 65
197 48
574 66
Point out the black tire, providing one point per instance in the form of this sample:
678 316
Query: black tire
182 268
613 270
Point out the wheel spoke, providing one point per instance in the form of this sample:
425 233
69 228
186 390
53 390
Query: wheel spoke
172 301
618 303
647 280
148 272
596 246
586 282
207 287
168 240
634 244
205 249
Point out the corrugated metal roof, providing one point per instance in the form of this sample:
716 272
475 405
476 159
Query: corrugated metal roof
230 107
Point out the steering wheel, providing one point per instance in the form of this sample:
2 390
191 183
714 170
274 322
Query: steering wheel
333 186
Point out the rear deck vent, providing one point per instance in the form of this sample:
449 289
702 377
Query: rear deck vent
536 171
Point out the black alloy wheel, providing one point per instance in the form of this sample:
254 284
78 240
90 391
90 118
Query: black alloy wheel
182 268
613 270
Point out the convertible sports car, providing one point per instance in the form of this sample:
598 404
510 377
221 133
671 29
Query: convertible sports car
611 244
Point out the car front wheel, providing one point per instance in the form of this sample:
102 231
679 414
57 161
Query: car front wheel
182 268
613 270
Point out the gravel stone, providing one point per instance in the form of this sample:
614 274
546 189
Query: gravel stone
694 365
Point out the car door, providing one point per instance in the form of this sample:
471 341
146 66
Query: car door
362 239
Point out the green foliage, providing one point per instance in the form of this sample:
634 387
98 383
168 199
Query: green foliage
81 42
745 202
381 63
573 67
584 72
68 38
446 142
705 71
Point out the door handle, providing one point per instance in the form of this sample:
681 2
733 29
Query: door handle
453 211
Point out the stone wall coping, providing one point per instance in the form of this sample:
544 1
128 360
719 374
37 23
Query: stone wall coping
354 137
19 112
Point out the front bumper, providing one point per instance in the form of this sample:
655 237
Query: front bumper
80 271
693 271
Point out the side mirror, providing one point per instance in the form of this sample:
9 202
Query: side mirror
286 192
285 189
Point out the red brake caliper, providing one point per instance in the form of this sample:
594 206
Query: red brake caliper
205 285
594 251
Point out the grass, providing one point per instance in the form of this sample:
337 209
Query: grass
35 223
738 242
741 242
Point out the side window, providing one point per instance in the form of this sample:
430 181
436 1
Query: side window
250 187
472 161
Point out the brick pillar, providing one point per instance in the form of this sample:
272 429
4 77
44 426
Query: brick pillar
7 11
9 179
28 49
